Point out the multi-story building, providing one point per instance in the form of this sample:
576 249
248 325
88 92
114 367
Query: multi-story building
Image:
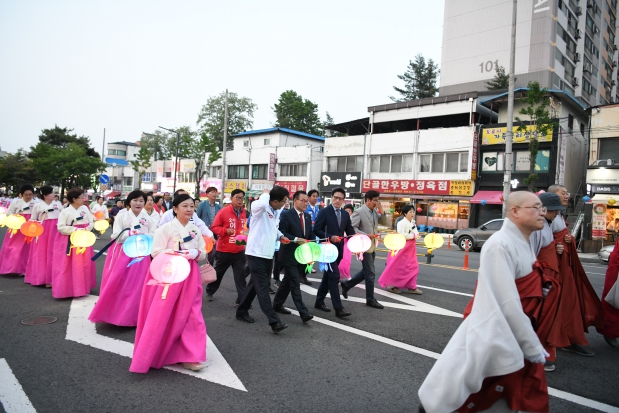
122 176
568 45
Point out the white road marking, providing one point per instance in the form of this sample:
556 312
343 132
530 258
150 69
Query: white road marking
96 251
560 394
81 330
445 291
12 395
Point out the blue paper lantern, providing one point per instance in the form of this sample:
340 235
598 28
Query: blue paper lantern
484 202
586 198
328 254
138 246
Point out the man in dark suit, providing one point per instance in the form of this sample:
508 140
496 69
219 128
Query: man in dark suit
296 225
332 222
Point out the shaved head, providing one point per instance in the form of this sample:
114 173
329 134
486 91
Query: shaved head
524 210
516 199
556 188
562 192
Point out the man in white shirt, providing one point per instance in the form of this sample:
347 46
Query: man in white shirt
169 216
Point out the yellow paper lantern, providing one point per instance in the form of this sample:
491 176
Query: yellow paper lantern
14 222
81 240
394 242
101 226
612 201
2 220
433 241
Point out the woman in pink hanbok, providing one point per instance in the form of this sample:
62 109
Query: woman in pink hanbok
15 251
40 261
172 330
73 274
344 264
119 296
402 269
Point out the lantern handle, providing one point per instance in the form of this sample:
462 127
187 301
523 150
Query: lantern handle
109 244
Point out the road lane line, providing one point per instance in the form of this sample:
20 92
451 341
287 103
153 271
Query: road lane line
560 394
445 291
12 395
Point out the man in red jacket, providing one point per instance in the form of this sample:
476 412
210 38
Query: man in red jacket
228 223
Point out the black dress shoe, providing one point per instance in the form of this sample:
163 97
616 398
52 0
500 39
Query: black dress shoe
271 290
279 326
306 317
341 312
305 281
322 307
245 317
282 310
374 304
344 289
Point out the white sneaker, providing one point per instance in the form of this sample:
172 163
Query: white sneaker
193 366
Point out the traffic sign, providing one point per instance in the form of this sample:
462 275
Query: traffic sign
104 179
103 187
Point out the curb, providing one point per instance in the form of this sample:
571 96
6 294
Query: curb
591 260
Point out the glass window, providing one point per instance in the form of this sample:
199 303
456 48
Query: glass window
396 163
424 163
385 161
332 167
464 162
453 162
146 177
359 167
245 144
111 151
374 163
609 149
438 160
350 163
121 153
341 164
153 176
407 163
128 181
259 171
494 225
267 141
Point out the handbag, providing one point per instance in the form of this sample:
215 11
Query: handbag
613 295
207 273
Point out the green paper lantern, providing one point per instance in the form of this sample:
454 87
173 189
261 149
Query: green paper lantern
308 253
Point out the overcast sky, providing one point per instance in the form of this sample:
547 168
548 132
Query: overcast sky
133 65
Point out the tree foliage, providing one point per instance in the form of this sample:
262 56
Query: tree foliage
329 121
155 143
419 80
142 163
294 112
16 169
205 144
500 80
536 110
240 117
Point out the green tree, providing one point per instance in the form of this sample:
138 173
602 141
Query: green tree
16 169
536 110
156 143
294 112
240 117
500 80
142 163
204 145
419 80
328 122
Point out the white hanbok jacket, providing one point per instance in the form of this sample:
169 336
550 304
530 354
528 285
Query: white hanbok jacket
175 236
71 216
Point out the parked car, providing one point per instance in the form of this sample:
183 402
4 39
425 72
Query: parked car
477 236
604 253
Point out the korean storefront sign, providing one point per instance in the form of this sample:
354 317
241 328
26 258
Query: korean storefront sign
493 136
399 186
350 181
464 188
598 221
230 186
272 159
474 156
292 186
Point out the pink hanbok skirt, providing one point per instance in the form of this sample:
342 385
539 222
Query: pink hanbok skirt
344 264
113 253
14 253
41 259
73 275
402 269
170 331
119 298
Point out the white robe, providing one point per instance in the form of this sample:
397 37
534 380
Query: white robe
170 236
102 208
142 223
19 206
558 224
70 216
497 335
42 211
542 238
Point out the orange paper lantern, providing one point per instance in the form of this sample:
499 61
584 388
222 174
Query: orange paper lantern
99 215
31 229
209 243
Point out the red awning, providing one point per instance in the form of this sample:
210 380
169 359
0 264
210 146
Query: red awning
113 194
491 197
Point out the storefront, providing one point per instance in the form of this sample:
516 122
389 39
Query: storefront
234 184
599 226
349 181
442 206
292 186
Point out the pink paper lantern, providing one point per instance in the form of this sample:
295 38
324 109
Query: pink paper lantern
358 244
168 269
241 239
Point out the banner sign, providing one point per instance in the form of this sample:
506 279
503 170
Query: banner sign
292 186
598 221
494 136
272 167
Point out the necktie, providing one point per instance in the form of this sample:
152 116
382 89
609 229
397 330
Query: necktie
302 223
338 214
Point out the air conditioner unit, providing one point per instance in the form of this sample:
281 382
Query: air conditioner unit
576 57
586 68
589 4
574 82
614 64
604 162
578 11
615 47
596 30
578 34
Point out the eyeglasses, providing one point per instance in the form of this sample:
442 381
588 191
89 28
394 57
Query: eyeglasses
237 197
539 208
565 193
338 198
303 200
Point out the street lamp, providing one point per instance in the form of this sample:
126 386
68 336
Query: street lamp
178 136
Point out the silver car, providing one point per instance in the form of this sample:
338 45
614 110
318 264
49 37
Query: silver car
604 253
477 236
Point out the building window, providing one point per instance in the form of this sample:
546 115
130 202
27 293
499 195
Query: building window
609 149
293 169
146 177
345 164
168 174
444 162
128 181
215 172
493 162
153 176
259 171
245 144
184 177
121 153
570 121
267 141
391 163
238 171
111 151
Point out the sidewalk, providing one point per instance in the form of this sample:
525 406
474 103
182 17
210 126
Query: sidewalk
590 258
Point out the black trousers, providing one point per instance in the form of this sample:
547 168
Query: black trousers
276 266
223 261
258 286
330 283
291 285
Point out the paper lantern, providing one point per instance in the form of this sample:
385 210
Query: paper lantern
586 198
241 239
612 201
80 240
99 215
31 229
434 207
358 244
307 253
394 243
208 243
14 222
433 241
138 246
168 268
3 210
483 202
2 220
328 254
101 226
419 210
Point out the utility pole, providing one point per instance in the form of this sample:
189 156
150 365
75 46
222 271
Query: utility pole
509 136
223 157
178 137
103 157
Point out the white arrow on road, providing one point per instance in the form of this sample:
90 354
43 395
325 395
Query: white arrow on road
81 330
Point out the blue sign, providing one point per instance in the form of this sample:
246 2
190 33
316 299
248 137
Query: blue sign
104 179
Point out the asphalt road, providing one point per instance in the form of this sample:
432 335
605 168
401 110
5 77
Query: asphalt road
373 361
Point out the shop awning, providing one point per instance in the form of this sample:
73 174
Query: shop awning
603 199
491 197
253 193
113 194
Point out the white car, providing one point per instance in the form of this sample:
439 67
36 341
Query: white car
604 253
